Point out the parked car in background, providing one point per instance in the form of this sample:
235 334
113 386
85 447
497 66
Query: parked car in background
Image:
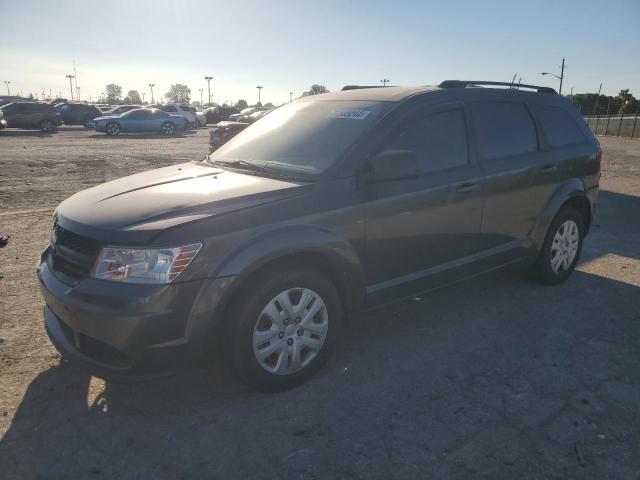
78 113
222 132
254 116
219 114
30 115
200 117
178 109
240 116
141 120
330 205
121 109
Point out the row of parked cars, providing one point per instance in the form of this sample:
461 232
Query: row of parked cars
161 117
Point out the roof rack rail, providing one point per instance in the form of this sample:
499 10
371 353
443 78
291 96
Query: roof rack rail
473 83
358 87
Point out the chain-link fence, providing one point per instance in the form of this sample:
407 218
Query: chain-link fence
627 125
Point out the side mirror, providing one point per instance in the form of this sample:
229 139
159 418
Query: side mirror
390 165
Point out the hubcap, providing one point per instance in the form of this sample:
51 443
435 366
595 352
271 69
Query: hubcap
113 128
284 345
564 246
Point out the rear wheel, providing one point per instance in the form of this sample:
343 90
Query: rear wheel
286 328
168 128
561 248
112 129
47 126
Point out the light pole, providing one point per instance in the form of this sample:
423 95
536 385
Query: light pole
290 96
208 79
201 90
70 84
7 82
561 77
259 87
384 82
151 85
143 97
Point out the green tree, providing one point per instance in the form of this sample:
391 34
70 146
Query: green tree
113 92
626 102
178 93
242 103
315 90
133 97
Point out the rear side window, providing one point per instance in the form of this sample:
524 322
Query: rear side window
505 129
439 140
169 108
558 125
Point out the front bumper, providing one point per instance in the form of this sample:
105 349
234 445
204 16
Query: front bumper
128 331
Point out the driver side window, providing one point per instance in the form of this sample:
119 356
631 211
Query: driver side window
439 140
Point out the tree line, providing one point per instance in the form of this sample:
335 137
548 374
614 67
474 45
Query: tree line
594 104
181 93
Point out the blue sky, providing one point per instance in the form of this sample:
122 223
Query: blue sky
288 45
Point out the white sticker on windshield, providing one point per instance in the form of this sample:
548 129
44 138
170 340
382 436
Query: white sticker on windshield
350 114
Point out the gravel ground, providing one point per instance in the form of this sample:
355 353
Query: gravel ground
495 377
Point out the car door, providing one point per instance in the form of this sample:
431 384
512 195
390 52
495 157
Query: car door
420 226
509 154
135 121
14 115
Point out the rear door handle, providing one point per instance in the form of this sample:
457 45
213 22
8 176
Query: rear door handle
466 187
549 169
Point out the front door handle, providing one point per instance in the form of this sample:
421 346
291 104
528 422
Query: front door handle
466 187
549 169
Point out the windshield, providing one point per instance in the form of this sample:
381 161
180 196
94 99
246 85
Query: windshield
306 137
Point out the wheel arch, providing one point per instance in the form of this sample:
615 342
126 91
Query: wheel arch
574 193
314 248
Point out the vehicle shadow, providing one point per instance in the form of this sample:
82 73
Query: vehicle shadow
137 136
14 132
435 371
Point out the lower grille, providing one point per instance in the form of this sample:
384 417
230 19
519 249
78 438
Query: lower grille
95 349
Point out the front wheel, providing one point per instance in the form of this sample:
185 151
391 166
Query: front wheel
89 123
284 328
47 126
561 248
113 129
168 128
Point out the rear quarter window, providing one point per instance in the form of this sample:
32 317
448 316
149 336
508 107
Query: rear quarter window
505 129
559 127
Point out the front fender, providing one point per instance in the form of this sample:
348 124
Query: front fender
207 314
570 189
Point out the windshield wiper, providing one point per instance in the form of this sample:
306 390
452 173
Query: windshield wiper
244 165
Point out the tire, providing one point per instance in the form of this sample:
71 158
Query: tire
168 128
47 126
88 123
300 345
112 129
561 248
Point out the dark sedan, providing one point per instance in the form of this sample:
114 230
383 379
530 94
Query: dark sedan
141 120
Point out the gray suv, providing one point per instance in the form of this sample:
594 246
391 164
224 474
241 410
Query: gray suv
328 206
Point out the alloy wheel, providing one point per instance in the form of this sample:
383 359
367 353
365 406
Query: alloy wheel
564 246
290 331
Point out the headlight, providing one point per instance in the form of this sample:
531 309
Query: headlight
143 265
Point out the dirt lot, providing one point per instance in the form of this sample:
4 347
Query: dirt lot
496 377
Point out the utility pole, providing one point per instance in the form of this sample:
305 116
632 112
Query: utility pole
70 77
561 77
290 96
208 79
201 90
142 97
7 82
151 85
259 87
75 79
384 82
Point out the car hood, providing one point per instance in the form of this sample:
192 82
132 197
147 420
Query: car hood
136 208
